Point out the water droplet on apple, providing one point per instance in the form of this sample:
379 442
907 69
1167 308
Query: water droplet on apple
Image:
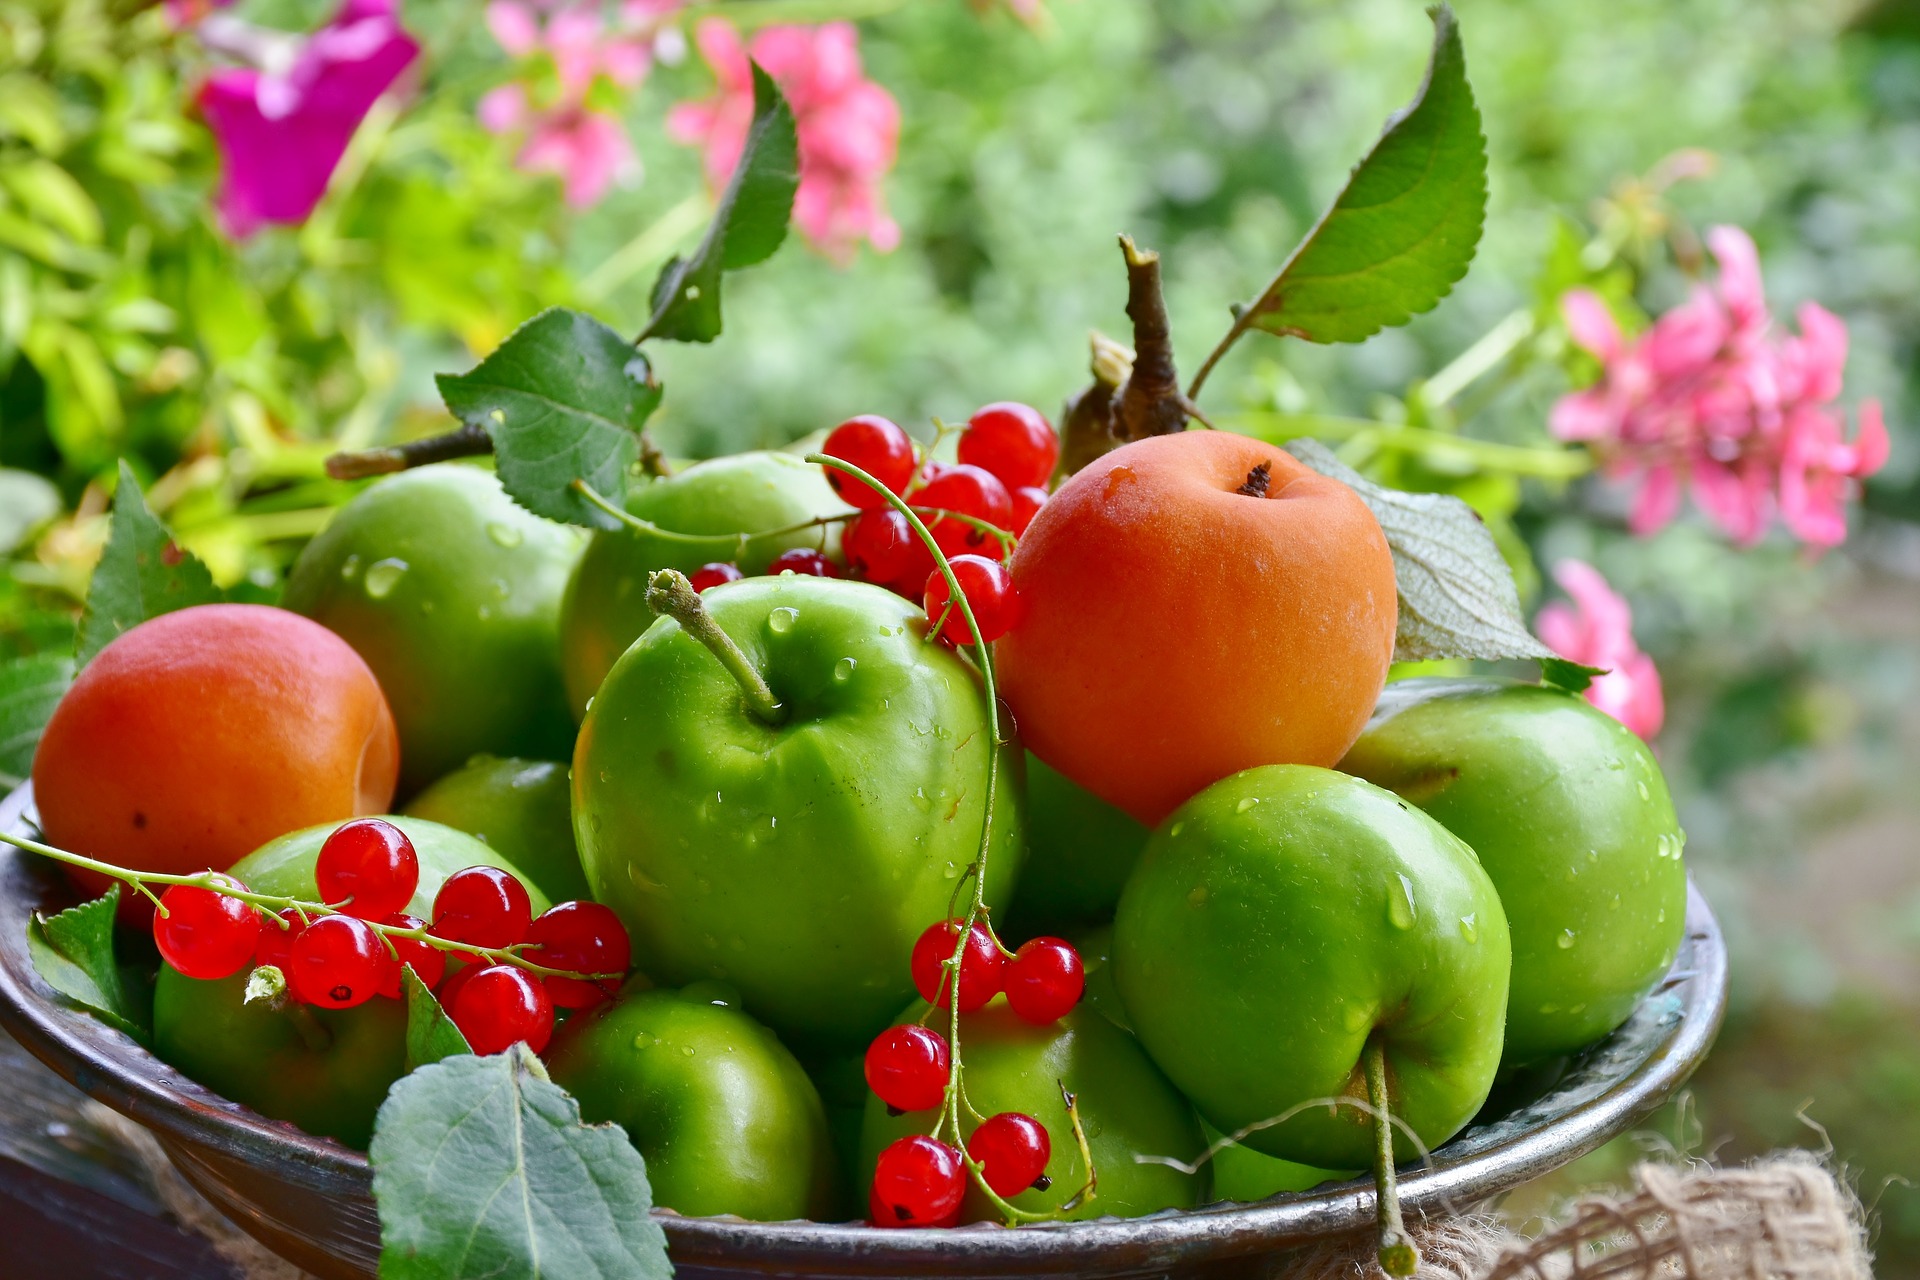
843 669
781 620
1645 794
383 576
1246 803
1173 832
1401 909
644 1040
1197 896
1470 927
505 534
1565 940
350 568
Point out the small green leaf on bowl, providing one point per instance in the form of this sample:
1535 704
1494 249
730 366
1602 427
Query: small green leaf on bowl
73 953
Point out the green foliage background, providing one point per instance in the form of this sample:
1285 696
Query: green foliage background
1212 130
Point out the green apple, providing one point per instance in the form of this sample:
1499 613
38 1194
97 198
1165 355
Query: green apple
523 808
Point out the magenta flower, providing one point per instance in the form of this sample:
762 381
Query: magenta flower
1597 629
1709 400
572 131
849 127
282 131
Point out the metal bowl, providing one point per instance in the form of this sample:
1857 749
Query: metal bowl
310 1199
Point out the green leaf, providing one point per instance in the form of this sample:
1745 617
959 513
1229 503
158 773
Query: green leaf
142 574
482 1167
1457 598
73 952
30 688
563 398
747 227
1564 673
1402 232
431 1034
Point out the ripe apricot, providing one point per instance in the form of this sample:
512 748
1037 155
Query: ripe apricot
1195 605
202 734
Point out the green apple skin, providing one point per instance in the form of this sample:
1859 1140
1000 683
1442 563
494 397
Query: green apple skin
1127 1108
1079 851
522 808
797 862
256 1056
606 601
451 592
1570 815
727 1120
1281 920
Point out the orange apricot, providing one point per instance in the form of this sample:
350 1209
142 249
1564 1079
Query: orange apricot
199 735
1195 605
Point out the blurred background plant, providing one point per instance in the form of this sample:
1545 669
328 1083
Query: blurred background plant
969 164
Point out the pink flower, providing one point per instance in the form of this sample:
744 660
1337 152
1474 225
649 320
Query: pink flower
575 135
1596 629
282 132
849 127
1709 400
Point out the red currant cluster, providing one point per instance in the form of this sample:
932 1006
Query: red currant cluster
920 1181
350 950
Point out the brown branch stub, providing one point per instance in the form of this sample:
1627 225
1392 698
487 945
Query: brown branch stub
466 442
1149 403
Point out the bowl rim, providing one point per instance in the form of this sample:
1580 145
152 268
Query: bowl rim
1610 1087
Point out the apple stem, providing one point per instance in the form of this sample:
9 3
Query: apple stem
670 595
1149 403
1398 1256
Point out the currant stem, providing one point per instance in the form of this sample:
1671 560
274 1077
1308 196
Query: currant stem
1398 1256
670 595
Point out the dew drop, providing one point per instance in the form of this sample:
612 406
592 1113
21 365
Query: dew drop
644 1040
687 1049
1644 793
350 568
1174 831
1470 927
843 669
953 871
383 576
1401 910
921 800
1197 896
1549 1008
1565 940
1662 917
1246 803
505 534
1615 904
605 776
782 619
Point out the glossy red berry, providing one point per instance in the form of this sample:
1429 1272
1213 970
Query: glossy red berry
429 962
877 447
917 1182
484 906
979 967
1013 441
989 589
367 868
907 1067
1044 980
1026 505
205 934
580 937
969 491
882 547
276 944
712 575
1012 1150
803 560
338 962
501 1006
450 989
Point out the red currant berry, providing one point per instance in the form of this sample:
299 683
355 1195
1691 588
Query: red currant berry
971 492
989 589
205 934
501 1006
1026 505
1045 980
979 967
877 447
484 906
429 962
276 944
367 868
338 962
1012 1151
1013 441
917 1182
907 1067
580 937
882 547
712 575
450 989
805 561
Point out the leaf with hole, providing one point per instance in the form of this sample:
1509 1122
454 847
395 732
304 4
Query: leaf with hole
142 574
564 398
747 227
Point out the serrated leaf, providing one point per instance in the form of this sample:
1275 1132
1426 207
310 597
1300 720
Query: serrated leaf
1403 231
142 574
1564 673
563 398
431 1034
73 953
1457 598
748 225
30 688
482 1167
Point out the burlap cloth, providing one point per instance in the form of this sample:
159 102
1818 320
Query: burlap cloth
1782 1218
